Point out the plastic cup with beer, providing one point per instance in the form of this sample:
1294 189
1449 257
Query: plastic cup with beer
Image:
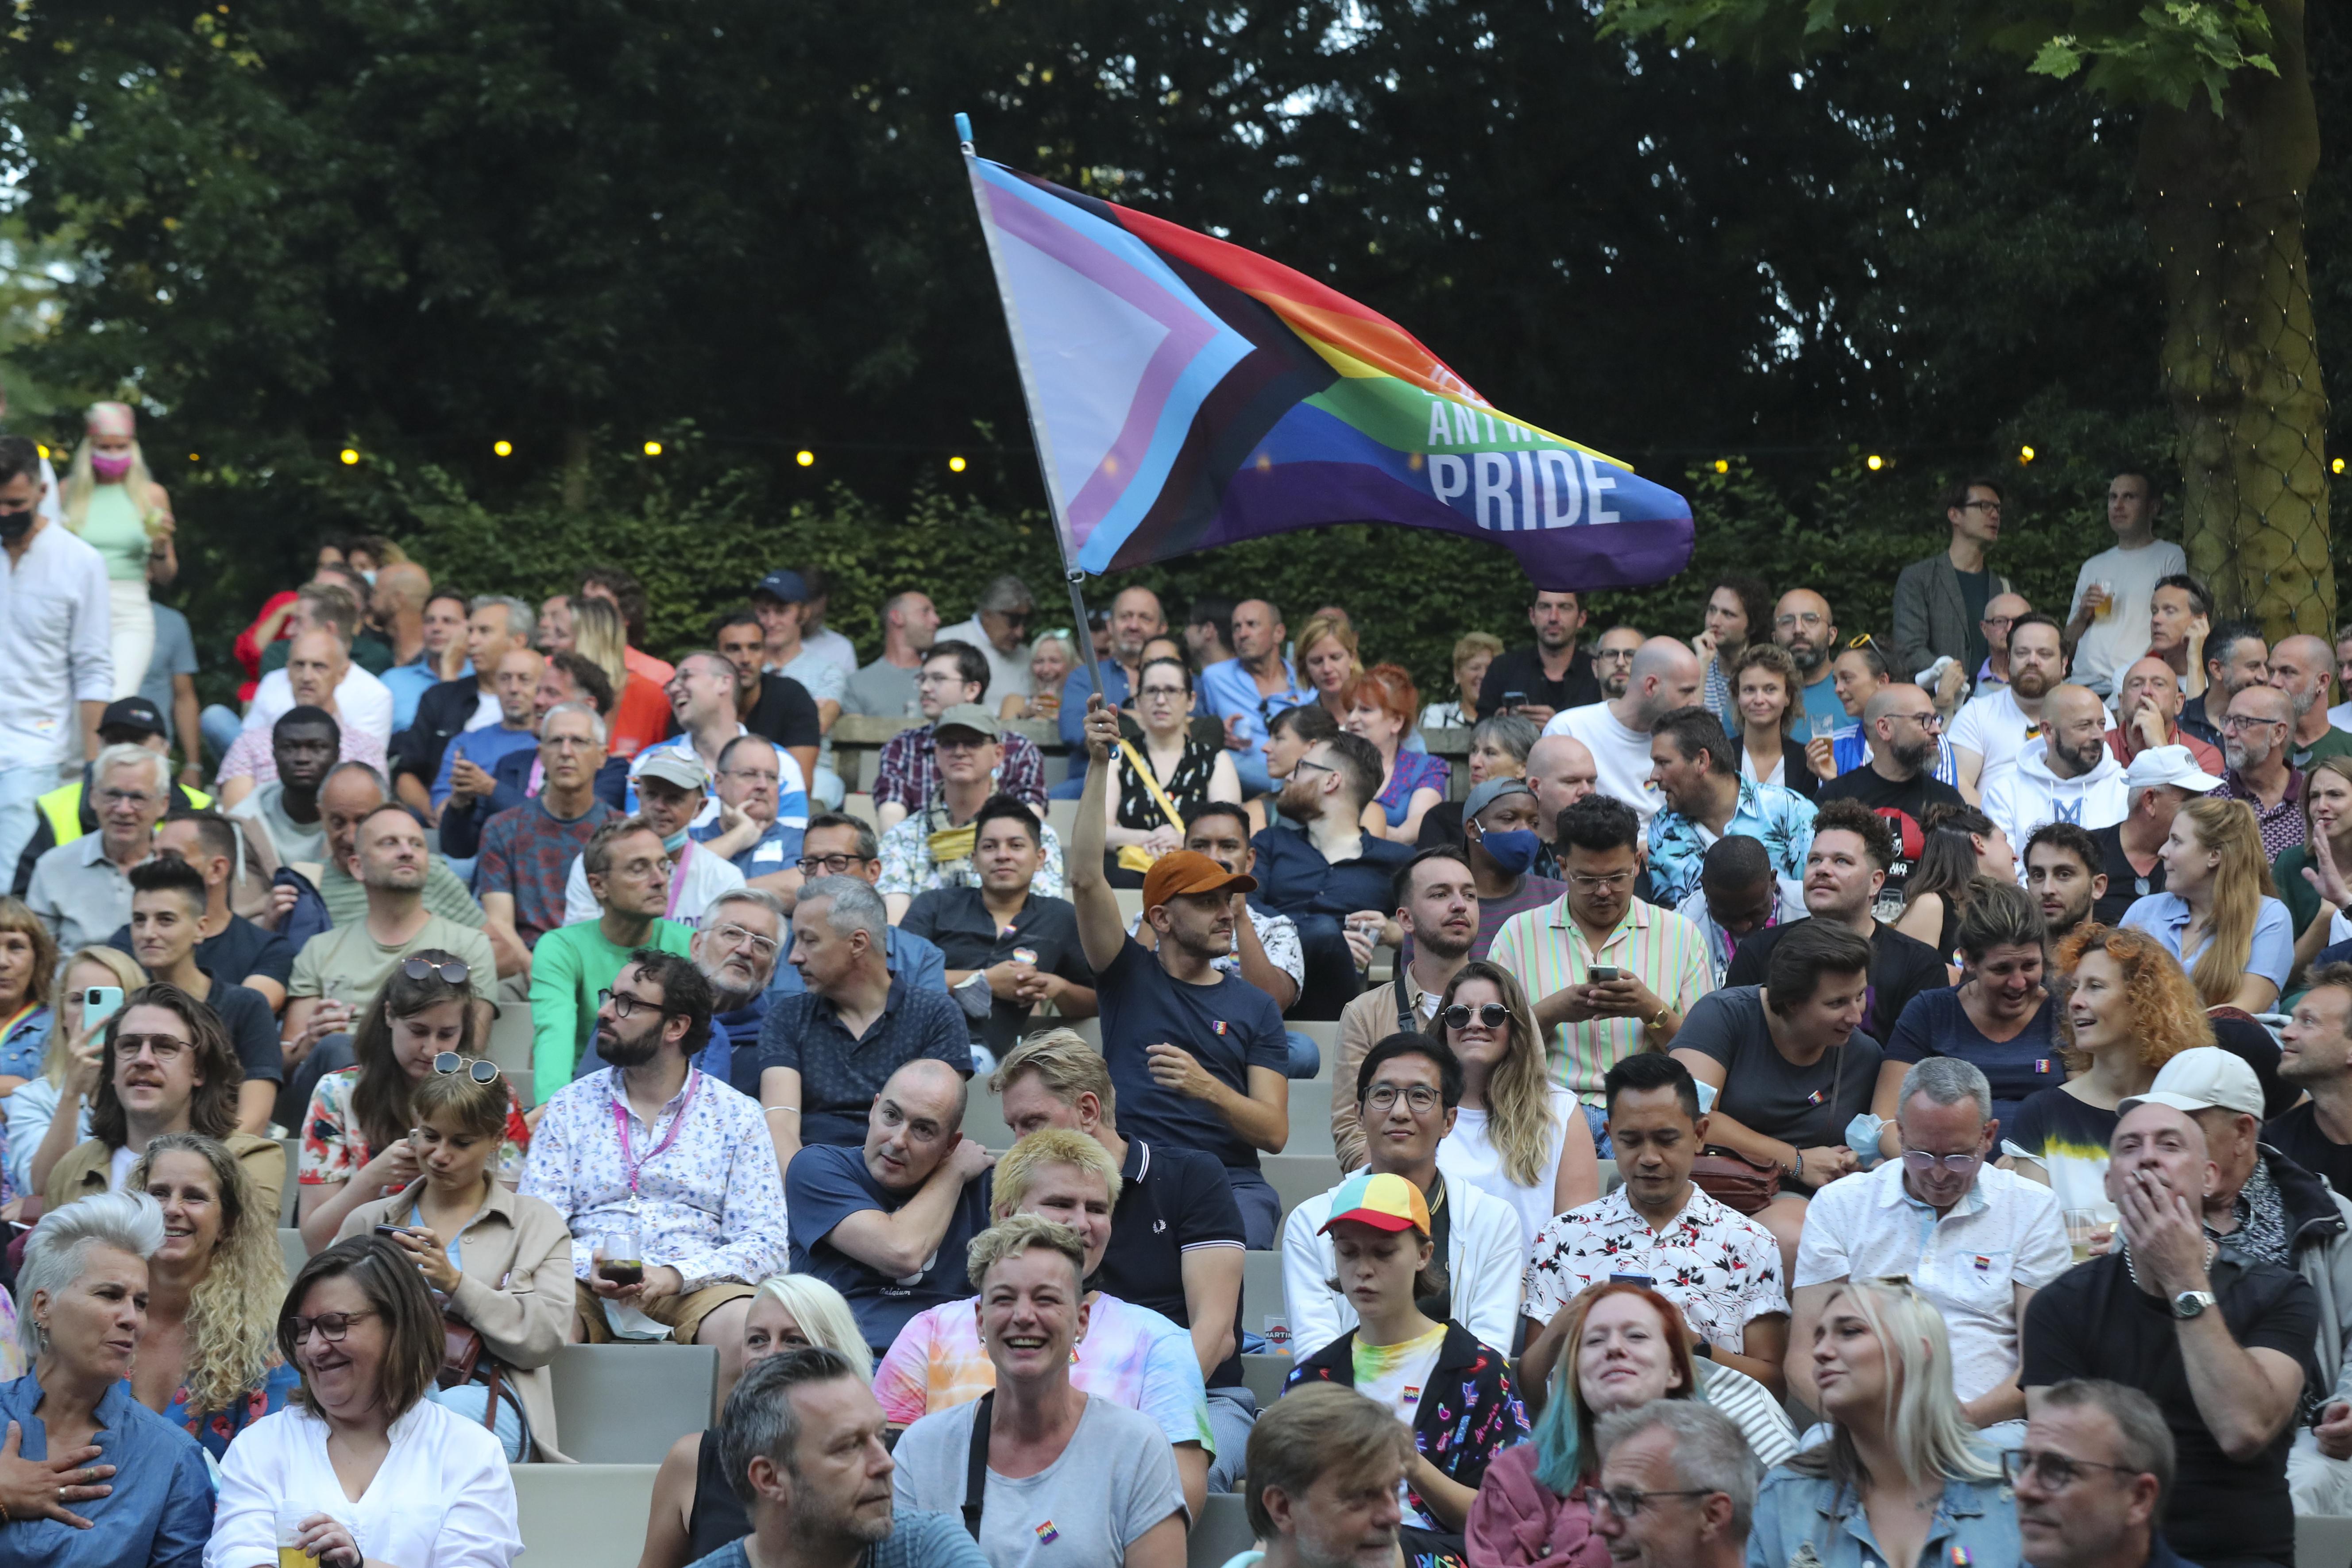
620 1260
2086 1228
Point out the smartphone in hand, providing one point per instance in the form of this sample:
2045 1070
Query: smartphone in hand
1602 973
99 1004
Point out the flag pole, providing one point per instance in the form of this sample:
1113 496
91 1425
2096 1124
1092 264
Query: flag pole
1071 574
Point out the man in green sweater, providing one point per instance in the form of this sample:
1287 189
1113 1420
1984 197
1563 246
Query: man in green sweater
628 874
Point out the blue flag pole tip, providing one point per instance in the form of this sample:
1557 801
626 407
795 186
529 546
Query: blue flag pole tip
963 128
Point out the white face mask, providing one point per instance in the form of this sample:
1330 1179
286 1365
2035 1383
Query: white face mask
371 578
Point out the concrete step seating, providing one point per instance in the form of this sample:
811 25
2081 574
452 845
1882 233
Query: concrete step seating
626 1404
293 1247
583 1516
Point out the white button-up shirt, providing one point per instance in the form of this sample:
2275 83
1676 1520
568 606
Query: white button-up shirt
56 645
2006 1232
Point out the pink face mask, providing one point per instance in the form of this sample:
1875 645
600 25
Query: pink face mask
109 466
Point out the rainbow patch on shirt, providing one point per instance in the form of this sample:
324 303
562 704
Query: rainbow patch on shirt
1047 1536
2042 1064
1412 1395
1961 1558
1816 1097
1984 1264
1218 1024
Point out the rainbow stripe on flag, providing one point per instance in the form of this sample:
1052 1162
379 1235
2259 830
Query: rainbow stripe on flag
1186 393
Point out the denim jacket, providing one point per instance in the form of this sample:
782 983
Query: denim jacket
1808 1521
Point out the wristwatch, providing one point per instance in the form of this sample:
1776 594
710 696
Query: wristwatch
2191 1303
1702 1349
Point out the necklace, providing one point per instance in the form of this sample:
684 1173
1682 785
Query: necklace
2131 1264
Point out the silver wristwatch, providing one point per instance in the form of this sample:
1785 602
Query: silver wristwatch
2191 1303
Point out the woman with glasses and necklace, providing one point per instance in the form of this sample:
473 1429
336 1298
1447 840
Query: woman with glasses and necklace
1625 1345
1157 784
356 1142
1516 1134
1902 1480
499 1262
360 1468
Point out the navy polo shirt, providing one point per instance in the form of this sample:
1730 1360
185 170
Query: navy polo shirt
841 1073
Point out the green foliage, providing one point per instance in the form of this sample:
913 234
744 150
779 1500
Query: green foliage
2167 53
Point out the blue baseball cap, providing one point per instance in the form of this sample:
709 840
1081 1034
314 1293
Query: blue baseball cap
787 585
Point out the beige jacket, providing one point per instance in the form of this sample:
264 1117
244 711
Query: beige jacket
516 1289
1364 1023
84 1170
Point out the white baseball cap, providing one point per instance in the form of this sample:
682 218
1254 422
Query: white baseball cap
2173 765
2202 1077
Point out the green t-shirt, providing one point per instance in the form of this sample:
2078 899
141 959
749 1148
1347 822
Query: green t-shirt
349 965
568 967
2334 744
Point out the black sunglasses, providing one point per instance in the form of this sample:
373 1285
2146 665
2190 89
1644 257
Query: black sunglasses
1494 1014
453 970
474 1067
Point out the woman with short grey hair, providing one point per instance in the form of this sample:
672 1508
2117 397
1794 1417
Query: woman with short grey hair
81 1300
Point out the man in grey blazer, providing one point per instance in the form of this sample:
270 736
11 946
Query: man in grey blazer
1940 601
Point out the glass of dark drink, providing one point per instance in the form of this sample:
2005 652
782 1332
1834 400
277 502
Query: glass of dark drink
619 1261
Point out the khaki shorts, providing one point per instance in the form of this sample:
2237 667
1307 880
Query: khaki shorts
682 1315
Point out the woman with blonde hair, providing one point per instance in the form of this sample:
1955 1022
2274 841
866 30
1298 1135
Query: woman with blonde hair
695 1511
1517 1133
2129 1011
33 1105
2310 877
1764 689
1473 653
29 962
1901 1479
2218 914
209 1355
499 1262
1328 662
1380 704
119 510
1051 659
640 713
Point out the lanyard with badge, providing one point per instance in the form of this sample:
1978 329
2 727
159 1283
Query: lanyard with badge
631 1166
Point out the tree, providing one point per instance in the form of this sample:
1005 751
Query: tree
2229 141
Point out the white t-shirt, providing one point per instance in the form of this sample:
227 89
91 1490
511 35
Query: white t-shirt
1993 728
833 649
1466 1156
117 1167
707 877
1395 1376
2120 637
361 702
1621 754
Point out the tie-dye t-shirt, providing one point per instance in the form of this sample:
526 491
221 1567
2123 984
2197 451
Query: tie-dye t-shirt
2071 1140
1394 1375
1131 1355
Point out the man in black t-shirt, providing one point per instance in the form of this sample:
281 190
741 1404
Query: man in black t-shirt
1845 868
775 706
237 951
1550 678
2224 1346
1175 1231
1901 725
2316 1057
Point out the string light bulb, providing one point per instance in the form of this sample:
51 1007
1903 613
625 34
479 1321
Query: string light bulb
652 449
195 458
804 458
503 448
2337 465
350 454
2025 454
955 465
1874 462
1723 465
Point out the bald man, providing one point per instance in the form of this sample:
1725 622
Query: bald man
1665 676
1802 624
2147 714
2067 775
1561 772
2256 734
1250 688
2300 668
1135 619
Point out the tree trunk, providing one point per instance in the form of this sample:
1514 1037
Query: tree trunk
2222 196
576 448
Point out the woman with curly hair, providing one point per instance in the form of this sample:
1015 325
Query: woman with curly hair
209 1355
1516 1134
1764 689
2217 913
2130 1011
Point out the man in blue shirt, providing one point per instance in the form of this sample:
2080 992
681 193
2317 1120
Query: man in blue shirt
1322 869
1136 618
476 751
1251 688
886 1224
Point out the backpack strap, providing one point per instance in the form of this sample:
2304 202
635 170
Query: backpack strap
975 1475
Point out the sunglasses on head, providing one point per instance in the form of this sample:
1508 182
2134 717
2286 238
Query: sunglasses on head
474 1067
1494 1014
453 970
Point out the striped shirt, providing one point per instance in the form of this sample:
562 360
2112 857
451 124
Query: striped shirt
1548 952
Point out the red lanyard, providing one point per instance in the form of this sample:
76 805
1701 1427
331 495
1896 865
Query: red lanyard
621 1125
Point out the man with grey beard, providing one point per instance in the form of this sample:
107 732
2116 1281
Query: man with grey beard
2257 737
734 947
1898 781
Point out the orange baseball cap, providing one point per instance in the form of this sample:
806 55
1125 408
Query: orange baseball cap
1181 872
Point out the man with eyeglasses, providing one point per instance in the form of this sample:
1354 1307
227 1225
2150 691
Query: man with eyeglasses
628 873
1939 602
2221 1341
746 786
653 1147
1678 1486
1801 624
674 796
1989 733
526 851
1613 660
774 707
2148 715
841 846
1975 1240
1407 1093
735 947
71 810
2257 744
999 629
1246 690
81 890
1999 616
2068 776
907 774
2092 1479
1898 781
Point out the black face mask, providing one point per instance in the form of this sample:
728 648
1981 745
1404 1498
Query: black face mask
14 525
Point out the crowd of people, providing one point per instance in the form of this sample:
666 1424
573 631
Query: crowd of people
1796 1099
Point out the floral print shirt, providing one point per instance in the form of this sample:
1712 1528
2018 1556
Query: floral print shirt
1720 1267
213 1431
333 1149
1780 818
1466 1418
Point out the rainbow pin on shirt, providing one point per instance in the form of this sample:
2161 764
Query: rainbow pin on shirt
1961 1558
1047 1536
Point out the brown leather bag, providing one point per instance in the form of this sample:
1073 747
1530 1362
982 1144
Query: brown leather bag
1734 1180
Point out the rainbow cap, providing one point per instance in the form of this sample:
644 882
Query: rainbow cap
1382 1202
